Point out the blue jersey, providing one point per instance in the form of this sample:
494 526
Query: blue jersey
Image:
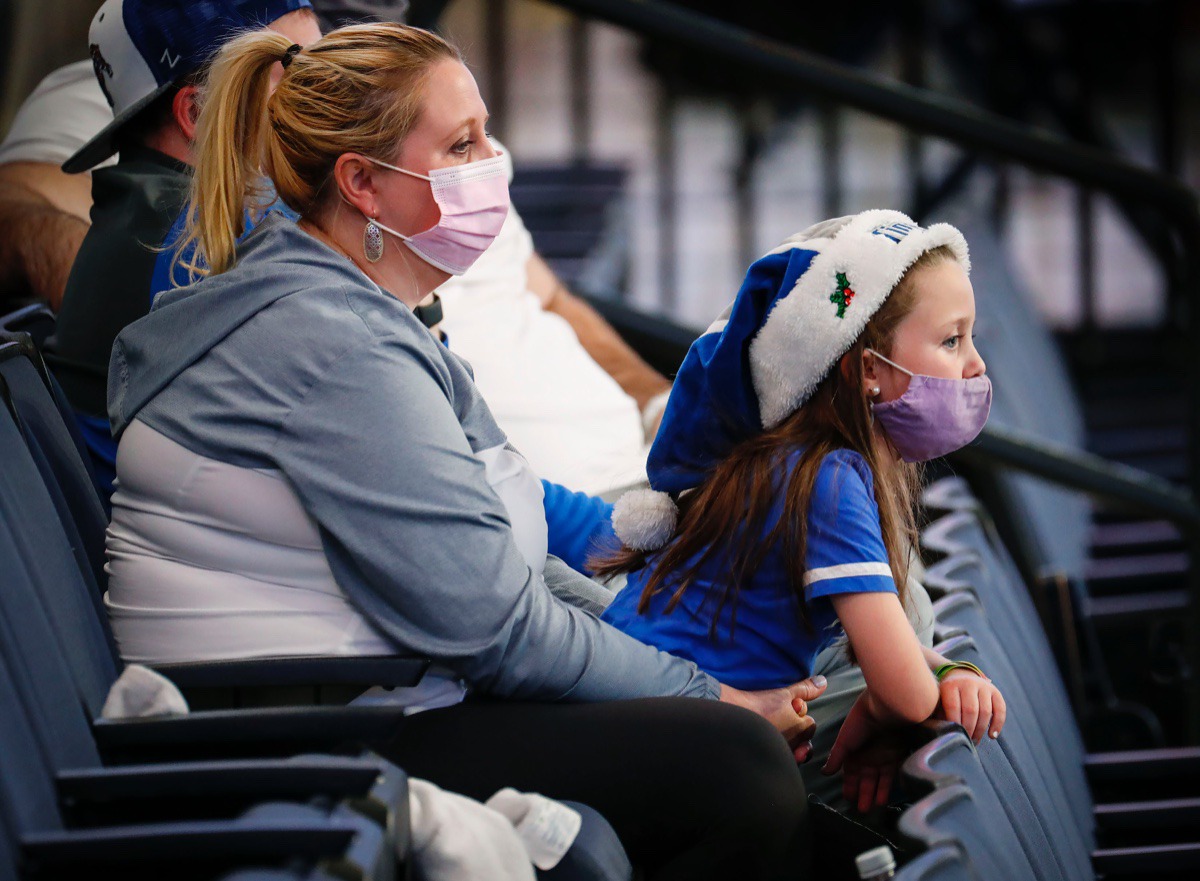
769 646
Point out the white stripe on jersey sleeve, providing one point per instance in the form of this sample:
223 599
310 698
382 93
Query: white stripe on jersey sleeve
846 570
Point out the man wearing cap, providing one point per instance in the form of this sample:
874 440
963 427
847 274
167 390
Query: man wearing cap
148 58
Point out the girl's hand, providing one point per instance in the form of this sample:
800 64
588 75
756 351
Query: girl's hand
859 728
867 774
785 708
972 702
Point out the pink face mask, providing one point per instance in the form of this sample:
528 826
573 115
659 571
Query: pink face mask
934 416
473 199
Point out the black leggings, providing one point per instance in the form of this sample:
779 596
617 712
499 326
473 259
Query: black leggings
694 788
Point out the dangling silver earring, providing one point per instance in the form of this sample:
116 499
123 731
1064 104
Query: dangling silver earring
372 242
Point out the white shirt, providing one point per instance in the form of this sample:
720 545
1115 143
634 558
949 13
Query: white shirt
231 555
64 112
569 418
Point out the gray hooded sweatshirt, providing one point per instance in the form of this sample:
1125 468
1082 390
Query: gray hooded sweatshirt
295 361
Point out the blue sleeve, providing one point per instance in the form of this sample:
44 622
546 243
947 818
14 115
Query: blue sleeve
97 437
167 272
844 551
170 272
578 525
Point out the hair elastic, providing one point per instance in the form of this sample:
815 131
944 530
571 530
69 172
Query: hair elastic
291 52
946 669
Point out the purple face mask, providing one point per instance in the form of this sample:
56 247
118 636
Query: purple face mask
934 416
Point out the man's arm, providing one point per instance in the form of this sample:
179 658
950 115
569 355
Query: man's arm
639 380
43 219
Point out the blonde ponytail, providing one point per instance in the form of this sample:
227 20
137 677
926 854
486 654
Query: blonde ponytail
229 149
358 89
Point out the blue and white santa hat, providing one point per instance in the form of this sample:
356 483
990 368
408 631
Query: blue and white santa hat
800 308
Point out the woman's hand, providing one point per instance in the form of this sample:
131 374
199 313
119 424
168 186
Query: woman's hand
785 708
972 702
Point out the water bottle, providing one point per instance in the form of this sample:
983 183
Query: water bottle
877 864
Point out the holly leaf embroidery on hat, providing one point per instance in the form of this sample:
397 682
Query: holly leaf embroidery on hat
843 296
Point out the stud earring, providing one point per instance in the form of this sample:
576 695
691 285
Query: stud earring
372 242
874 390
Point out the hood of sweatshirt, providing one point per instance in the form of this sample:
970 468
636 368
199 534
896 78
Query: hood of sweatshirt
276 260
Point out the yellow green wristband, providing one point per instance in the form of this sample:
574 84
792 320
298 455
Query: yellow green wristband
947 669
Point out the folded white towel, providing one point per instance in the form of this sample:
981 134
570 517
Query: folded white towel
140 692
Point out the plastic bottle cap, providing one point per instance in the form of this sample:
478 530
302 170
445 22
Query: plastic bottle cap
875 862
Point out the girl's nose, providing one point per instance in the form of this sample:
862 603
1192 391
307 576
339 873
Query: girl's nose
975 365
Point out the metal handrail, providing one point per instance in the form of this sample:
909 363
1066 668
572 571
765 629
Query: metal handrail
957 121
1105 481
929 112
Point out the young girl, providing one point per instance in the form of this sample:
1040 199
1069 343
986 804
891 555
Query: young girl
782 508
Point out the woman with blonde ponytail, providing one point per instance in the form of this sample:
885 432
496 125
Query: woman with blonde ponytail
305 470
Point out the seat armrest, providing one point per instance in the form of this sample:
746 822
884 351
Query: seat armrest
198 790
285 731
265 779
388 671
221 843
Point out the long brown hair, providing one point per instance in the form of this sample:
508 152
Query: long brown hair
359 89
723 517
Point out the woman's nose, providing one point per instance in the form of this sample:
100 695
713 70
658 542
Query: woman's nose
489 149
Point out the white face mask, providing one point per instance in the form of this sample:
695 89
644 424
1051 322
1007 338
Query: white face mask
473 199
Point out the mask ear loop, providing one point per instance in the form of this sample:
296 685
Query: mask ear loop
375 220
389 167
891 362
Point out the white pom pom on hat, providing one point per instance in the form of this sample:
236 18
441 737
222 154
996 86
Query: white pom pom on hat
644 519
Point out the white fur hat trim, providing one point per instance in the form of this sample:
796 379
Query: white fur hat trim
644 519
803 337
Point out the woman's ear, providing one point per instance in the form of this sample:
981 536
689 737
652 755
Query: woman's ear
355 181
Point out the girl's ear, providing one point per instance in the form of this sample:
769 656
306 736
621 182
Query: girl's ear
869 363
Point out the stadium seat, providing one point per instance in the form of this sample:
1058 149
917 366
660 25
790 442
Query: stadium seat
63 624
1023 681
967 529
959 815
972 816
29 393
1022 750
37 320
39 843
944 862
